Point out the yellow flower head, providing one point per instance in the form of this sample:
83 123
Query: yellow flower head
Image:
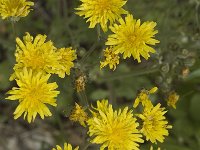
33 93
80 83
172 99
67 146
14 8
154 125
133 38
111 59
79 115
114 129
68 55
36 54
101 11
143 97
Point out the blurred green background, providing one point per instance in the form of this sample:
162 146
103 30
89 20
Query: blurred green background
175 67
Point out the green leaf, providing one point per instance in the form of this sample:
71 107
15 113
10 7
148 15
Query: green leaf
193 75
194 108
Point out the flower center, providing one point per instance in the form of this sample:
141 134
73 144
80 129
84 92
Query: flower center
115 134
35 61
130 39
104 5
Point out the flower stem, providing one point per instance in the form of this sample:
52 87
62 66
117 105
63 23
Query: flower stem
83 98
127 75
86 146
98 32
13 28
88 53
60 124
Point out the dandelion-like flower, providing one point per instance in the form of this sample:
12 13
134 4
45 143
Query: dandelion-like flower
33 94
111 59
36 54
67 146
114 129
101 11
68 55
130 37
15 8
79 115
154 125
143 97
172 99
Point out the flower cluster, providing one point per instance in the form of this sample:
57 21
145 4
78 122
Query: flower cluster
154 123
42 56
119 129
129 36
36 60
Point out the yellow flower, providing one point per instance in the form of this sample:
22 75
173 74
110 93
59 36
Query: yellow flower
143 97
172 99
101 11
80 83
79 115
66 61
111 59
15 8
33 94
154 125
36 54
114 129
133 38
67 146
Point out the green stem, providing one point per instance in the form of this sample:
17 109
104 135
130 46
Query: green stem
83 98
98 32
122 76
86 146
60 126
13 28
187 94
88 53
112 97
